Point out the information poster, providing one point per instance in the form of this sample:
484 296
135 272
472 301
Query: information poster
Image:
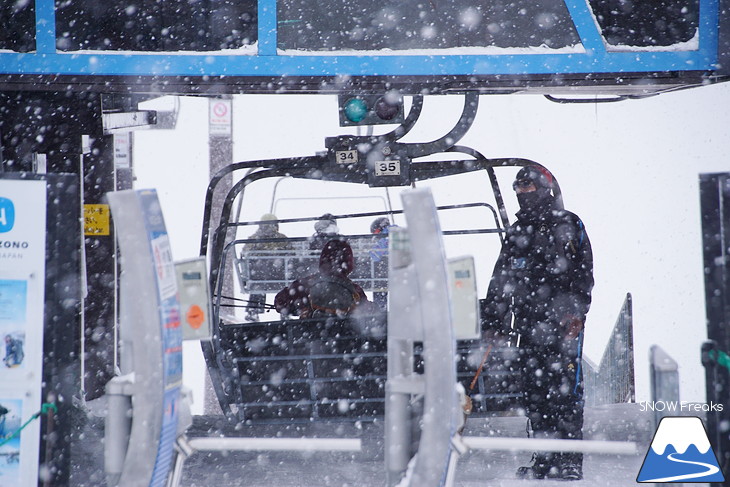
22 282
169 309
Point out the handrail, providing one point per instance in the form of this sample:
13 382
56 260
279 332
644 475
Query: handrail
362 215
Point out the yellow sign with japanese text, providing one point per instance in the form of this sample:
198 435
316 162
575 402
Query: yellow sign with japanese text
96 220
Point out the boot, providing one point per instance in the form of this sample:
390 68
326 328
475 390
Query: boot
542 467
571 466
571 472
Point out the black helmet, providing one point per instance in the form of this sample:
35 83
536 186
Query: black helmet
537 175
541 179
379 224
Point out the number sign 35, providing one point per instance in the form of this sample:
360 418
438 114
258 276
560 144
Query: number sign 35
387 168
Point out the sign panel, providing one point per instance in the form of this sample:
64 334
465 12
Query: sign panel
192 284
220 118
123 150
346 156
96 220
22 288
387 168
464 300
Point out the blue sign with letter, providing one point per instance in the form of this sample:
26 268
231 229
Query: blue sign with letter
7 215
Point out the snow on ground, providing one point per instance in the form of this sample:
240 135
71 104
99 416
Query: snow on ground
619 422
475 468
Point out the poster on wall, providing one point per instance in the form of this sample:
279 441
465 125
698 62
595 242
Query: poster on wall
10 421
22 284
13 302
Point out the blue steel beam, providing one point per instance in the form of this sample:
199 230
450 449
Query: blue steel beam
267 61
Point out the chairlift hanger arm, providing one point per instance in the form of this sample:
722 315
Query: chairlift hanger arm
492 180
388 144
297 170
468 114
413 114
259 164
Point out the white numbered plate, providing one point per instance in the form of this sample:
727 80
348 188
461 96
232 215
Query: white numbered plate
387 168
346 156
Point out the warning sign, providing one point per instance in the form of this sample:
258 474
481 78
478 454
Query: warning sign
96 220
195 316
192 285
219 120
123 150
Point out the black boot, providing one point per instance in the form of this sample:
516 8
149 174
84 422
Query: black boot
571 472
542 467
571 466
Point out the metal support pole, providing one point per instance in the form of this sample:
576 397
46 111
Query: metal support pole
117 427
220 149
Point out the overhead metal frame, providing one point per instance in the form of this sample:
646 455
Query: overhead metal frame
597 70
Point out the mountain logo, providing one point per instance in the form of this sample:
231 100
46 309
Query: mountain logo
680 452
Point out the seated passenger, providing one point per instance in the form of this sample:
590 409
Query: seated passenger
325 229
380 228
264 268
328 292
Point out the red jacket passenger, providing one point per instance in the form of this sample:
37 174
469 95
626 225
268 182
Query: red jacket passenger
329 292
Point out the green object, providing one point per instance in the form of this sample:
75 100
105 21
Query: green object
721 358
355 109
45 407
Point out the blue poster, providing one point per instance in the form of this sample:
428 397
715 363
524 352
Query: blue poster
13 298
10 421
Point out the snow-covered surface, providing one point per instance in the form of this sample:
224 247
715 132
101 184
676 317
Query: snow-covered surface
621 422
691 45
451 51
253 49
247 50
476 468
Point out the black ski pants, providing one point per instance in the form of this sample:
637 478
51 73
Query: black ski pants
552 380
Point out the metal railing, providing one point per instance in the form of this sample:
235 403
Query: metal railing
271 270
613 380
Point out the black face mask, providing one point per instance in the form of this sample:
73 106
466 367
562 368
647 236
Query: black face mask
529 201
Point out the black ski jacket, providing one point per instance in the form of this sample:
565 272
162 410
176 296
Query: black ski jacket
543 275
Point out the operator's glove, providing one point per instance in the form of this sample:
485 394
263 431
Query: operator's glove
571 326
494 337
